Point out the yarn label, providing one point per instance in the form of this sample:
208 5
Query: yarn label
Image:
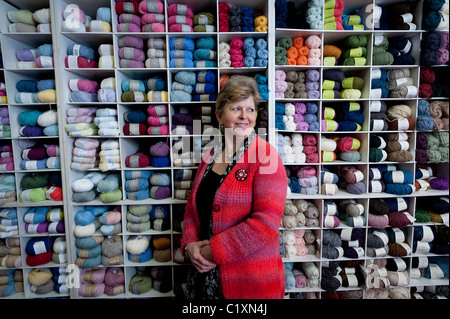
407 17
46 61
375 106
378 125
412 91
401 81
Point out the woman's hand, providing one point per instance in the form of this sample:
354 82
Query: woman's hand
199 253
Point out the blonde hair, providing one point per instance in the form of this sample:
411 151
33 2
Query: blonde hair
237 88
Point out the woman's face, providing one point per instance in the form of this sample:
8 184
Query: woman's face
239 116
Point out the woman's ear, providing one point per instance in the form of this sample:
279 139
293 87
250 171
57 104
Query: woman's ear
218 117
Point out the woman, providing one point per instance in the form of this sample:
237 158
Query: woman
231 221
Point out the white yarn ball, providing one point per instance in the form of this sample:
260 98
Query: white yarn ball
137 244
297 139
47 118
82 185
59 246
289 109
84 231
327 144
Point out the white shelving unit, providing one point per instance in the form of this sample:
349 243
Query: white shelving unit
131 144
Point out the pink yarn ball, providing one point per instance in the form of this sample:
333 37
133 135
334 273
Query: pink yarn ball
313 42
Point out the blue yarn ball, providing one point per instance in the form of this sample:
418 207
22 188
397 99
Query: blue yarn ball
46 85
160 161
311 107
261 63
260 44
33 243
397 204
85 51
424 107
135 116
142 183
104 14
406 176
45 50
399 189
29 118
424 123
29 86
84 217
159 211
143 257
249 62
294 185
141 174
249 42
51 130
250 52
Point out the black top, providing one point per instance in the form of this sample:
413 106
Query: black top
204 200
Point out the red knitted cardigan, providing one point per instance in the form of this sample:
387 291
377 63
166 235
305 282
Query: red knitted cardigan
246 218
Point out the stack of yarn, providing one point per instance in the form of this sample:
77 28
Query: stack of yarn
102 21
24 20
299 52
184 179
109 188
291 148
423 236
182 157
331 246
436 14
40 156
7 159
138 219
331 84
112 251
40 220
92 282
421 178
160 185
331 274
247 19
109 155
354 50
204 22
152 16
255 52
440 114
281 85
353 240
433 83
236 51
38 251
36 187
9 226
378 118
107 91
182 86
399 117
205 88
35 91
401 85
377 145
310 116
331 55
432 209
84 154
333 14
129 18
43 281
74 19
3 97
348 148
328 181
307 176
139 159
82 90
106 121
314 14
131 46
436 146
398 245
137 187
352 213
80 56
182 121
135 122
351 179
133 91
352 22
350 116
40 57
377 240
88 247
10 254
5 127
12 281
156 53
158 120
85 188
38 123
397 181
380 84
161 248
180 18
397 147
138 248
351 87
380 53
181 52
224 57
424 121
400 48
399 16
141 282
106 59
434 48
296 86
330 214
157 89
